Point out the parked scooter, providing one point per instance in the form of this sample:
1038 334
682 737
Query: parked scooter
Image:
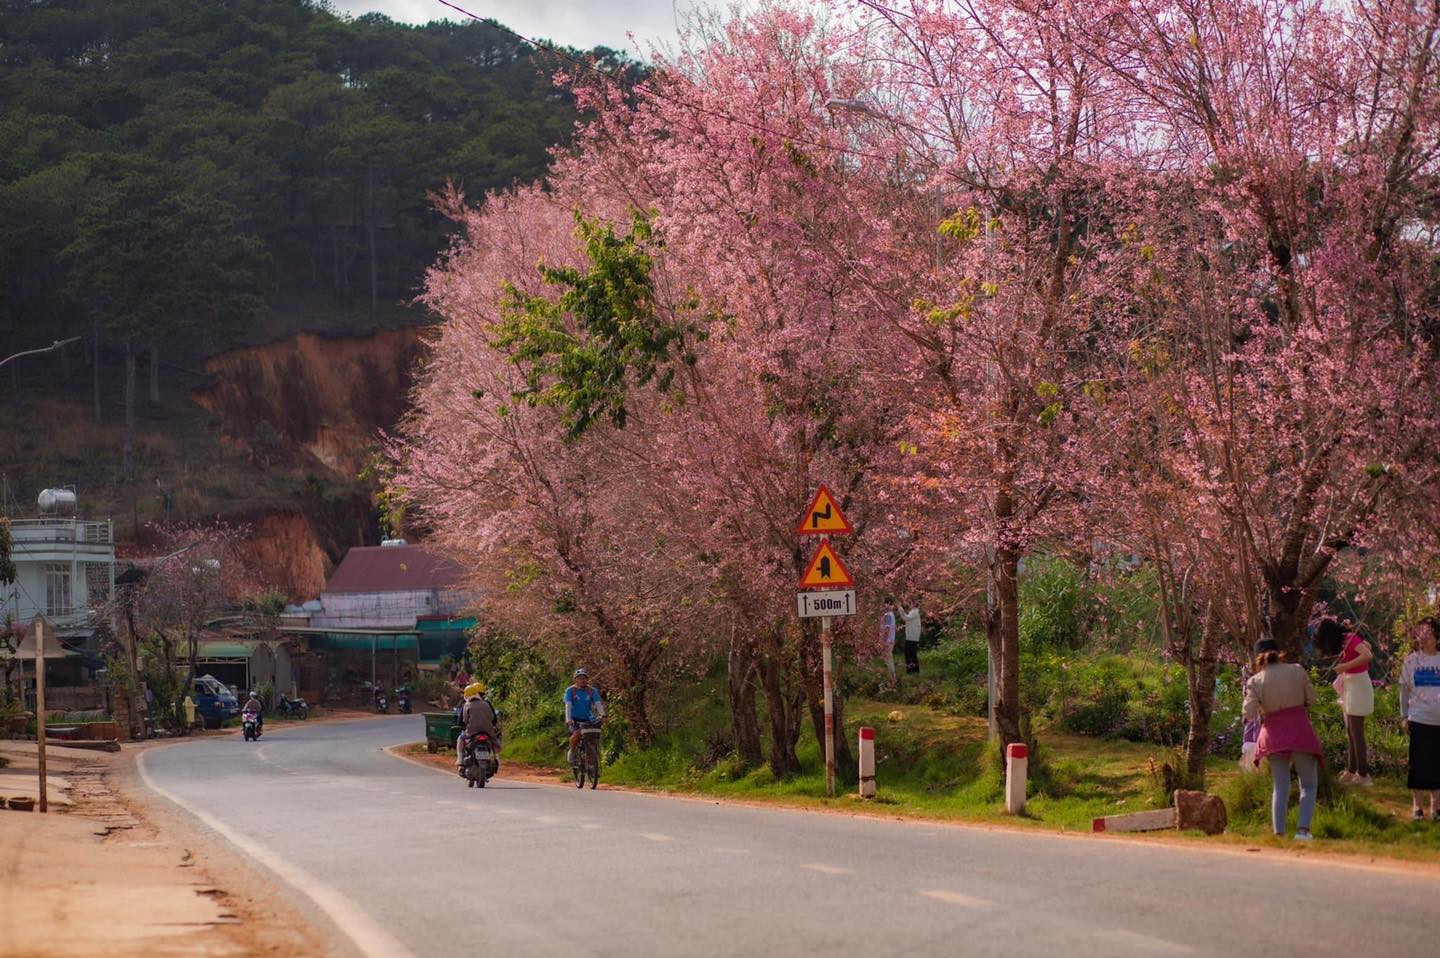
382 702
402 696
292 708
250 726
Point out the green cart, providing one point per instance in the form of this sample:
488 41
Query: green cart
441 731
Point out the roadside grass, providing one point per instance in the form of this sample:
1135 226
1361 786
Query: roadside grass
934 765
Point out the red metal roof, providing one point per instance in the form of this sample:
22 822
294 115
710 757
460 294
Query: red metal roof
394 569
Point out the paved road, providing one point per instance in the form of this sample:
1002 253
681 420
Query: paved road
408 861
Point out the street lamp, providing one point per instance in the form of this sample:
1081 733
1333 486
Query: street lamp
59 343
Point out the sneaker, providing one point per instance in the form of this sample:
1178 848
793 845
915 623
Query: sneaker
1364 781
1302 836
1347 778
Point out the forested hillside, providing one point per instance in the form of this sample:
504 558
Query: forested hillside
179 177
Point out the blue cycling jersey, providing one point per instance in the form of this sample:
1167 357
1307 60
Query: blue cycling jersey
581 703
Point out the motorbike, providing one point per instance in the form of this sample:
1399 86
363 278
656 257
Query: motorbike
293 708
250 726
402 697
479 764
382 703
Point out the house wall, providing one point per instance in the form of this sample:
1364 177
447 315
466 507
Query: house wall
375 610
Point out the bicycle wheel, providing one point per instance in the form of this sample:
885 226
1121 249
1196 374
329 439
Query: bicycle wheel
579 769
593 758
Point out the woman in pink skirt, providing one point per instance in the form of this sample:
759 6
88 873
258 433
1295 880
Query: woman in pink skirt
1280 695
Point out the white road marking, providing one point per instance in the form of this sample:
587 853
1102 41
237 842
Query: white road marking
830 869
506 811
956 898
369 937
591 826
732 851
1148 943
656 837
546 819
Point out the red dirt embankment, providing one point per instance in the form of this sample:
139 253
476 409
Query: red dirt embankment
313 397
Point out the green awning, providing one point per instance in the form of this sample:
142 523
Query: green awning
225 650
340 641
427 626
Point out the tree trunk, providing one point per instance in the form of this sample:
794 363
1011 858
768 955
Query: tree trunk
128 454
782 707
1003 634
370 234
95 366
740 684
1200 678
154 375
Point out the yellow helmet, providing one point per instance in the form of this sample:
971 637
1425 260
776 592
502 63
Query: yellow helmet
474 689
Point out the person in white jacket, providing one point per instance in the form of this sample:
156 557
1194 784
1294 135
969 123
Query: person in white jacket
1420 715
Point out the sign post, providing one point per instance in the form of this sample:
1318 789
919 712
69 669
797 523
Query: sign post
826 569
38 627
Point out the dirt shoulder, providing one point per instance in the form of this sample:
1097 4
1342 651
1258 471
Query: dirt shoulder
114 871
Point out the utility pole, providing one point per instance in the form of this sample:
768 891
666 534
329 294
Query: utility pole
38 626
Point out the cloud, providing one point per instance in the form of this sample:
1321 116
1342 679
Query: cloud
578 23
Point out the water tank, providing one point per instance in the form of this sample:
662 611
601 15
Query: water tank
392 542
57 501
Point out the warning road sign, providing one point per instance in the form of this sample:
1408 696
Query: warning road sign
826 570
824 517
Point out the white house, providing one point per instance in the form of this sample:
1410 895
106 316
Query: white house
66 571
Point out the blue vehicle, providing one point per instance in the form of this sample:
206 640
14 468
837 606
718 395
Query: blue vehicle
214 703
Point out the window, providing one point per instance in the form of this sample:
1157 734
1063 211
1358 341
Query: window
57 589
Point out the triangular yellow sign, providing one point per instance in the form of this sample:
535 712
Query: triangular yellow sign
826 569
824 517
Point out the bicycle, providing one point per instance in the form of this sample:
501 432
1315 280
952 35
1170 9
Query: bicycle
587 755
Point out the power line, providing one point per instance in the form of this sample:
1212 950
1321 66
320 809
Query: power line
631 87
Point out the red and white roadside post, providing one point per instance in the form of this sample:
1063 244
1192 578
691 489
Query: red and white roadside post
1017 760
867 762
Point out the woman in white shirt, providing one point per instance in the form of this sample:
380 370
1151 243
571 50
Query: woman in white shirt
1420 714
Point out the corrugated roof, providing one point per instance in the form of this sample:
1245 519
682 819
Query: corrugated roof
394 569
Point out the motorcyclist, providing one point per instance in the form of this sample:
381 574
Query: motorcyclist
582 704
253 709
478 718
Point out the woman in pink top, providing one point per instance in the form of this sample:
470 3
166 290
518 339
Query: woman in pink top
1357 694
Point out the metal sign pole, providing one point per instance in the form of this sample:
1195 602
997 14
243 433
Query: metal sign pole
829 708
40 708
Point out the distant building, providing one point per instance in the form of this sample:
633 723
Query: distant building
65 571
385 612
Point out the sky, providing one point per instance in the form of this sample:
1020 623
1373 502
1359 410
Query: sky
579 23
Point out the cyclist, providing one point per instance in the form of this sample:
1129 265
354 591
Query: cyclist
582 704
478 718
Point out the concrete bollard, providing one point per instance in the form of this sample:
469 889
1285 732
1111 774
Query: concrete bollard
867 762
1017 759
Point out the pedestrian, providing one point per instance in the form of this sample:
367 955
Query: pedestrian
1280 695
1356 691
1420 715
912 639
887 637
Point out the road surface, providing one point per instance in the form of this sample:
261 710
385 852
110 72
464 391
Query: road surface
407 861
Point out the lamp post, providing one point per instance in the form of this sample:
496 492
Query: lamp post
58 344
